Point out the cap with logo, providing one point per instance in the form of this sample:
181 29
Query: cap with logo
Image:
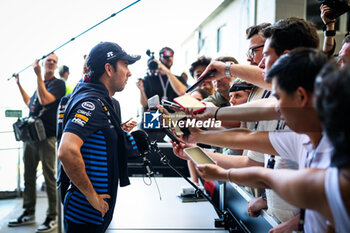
166 52
105 52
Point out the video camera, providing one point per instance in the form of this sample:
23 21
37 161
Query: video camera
338 7
152 65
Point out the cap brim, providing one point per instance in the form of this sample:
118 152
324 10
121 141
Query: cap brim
130 58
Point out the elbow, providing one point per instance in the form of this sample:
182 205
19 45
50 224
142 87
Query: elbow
44 102
63 154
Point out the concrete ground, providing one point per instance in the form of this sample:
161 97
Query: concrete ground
12 208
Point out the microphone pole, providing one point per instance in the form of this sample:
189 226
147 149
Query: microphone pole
226 220
43 57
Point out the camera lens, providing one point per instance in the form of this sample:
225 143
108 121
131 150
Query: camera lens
152 65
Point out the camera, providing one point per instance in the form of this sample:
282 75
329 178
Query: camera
152 65
338 7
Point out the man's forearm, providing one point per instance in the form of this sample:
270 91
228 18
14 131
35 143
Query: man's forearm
229 161
236 139
176 84
328 42
259 110
25 96
143 99
225 138
250 176
44 96
74 167
251 74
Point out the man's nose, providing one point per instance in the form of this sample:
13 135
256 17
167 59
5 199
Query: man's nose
262 63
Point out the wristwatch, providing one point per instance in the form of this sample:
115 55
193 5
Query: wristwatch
227 69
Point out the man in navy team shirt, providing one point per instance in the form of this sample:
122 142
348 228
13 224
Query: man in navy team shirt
91 148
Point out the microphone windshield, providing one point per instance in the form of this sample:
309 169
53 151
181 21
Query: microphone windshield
141 139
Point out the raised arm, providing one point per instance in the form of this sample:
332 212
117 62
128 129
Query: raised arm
329 41
258 110
251 74
176 84
25 96
143 96
289 184
234 139
44 96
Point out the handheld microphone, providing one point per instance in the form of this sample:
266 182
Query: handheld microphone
142 142
210 72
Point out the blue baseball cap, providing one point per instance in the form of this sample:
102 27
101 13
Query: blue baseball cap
105 52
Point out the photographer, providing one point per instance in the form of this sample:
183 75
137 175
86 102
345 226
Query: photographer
160 81
43 103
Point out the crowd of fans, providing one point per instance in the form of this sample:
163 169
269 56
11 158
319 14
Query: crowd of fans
284 134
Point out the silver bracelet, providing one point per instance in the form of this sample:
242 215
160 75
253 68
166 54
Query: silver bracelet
227 69
228 175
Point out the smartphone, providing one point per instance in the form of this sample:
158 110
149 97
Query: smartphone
185 131
153 102
170 135
187 101
198 156
126 121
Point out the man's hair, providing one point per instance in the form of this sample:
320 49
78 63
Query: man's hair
99 71
226 59
332 104
202 92
255 29
201 61
288 34
298 68
346 39
63 69
166 49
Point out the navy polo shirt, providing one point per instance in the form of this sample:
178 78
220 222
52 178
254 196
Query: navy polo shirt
89 121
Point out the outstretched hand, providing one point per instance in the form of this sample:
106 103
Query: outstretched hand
211 172
220 71
255 205
179 147
208 113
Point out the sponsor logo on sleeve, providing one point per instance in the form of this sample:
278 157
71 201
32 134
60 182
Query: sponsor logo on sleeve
78 121
84 118
88 106
85 113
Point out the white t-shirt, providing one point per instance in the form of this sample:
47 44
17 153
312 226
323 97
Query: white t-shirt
277 206
340 215
298 147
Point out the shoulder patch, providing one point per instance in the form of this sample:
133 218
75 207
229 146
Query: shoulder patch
88 105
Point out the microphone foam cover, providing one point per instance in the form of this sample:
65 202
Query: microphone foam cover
141 139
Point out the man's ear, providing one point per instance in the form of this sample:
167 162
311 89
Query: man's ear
303 97
108 69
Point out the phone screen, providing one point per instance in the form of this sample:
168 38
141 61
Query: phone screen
153 101
198 156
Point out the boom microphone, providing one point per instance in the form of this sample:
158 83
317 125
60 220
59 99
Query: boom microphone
142 142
